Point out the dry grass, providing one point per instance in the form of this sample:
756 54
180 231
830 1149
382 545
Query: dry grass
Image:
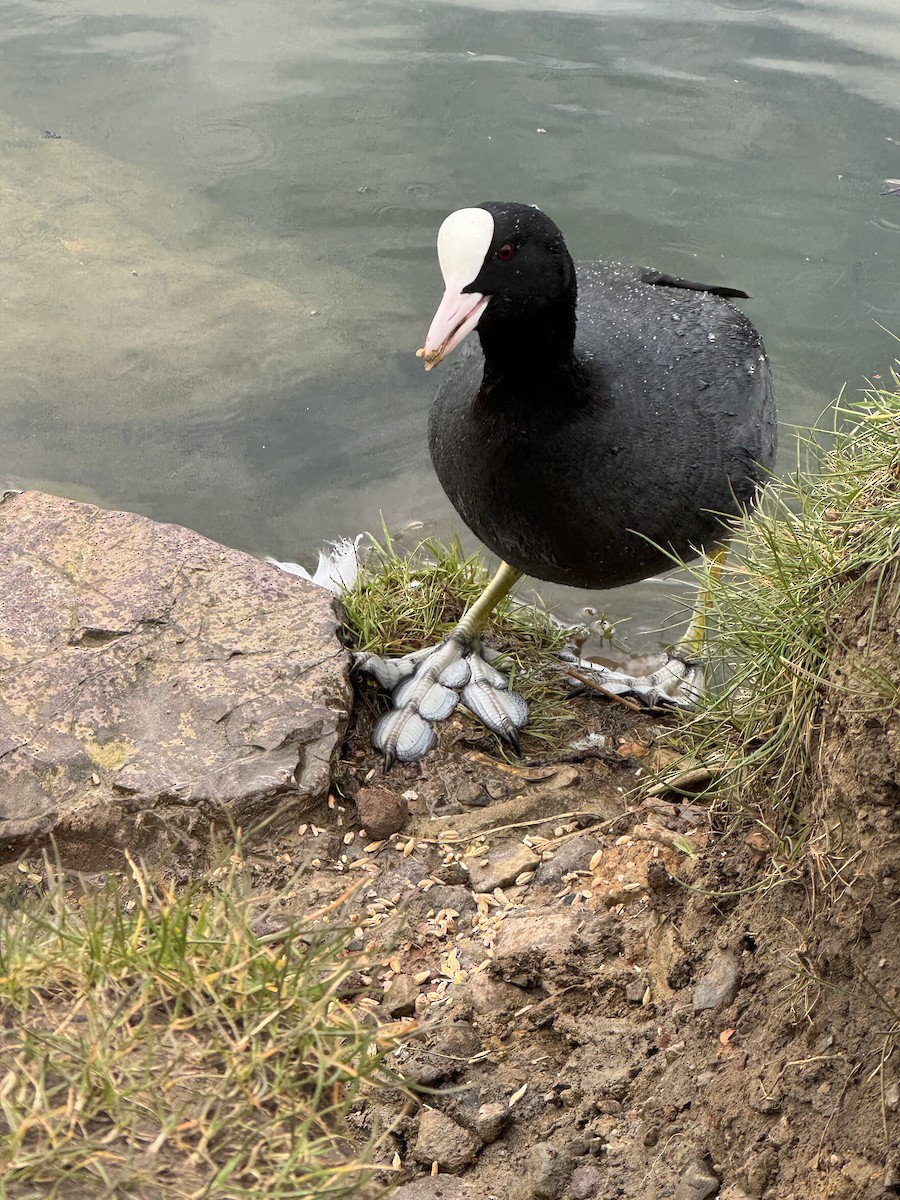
153 1045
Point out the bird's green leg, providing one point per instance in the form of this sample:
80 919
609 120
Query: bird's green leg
690 646
428 684
679 681
477 615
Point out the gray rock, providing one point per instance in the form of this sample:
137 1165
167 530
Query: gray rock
442 1141
719 984
381 812
573 855
697 1182
636 991
585 1183
152 682
549 1169
501 867
492 1120
400 998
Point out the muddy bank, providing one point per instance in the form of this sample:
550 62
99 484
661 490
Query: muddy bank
617 994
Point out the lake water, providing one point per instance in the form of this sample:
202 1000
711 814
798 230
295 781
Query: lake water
216 271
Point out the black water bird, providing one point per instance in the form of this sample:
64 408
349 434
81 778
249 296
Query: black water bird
612 416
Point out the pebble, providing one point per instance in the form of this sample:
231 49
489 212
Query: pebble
573 855
492 1120
381 811
697 1182
635 991
585 1183
501 868
549 1169
719 983
400 998
444 1142
526 939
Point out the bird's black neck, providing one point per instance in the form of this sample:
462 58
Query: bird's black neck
525 344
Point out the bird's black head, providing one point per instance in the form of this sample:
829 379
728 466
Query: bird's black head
508 272
526 267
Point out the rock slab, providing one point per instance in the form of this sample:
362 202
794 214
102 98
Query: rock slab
152 683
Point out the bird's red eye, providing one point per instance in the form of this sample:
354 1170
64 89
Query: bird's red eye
505 253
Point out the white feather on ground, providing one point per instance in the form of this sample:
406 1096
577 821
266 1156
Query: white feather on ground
337 568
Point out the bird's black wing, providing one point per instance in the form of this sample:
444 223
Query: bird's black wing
661 279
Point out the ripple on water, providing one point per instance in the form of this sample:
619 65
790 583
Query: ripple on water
883 221
227 144
751 7
882 298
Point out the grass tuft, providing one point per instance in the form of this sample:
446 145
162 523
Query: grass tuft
817 537
154 1046
405 601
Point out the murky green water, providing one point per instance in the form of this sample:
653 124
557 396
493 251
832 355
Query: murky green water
214 279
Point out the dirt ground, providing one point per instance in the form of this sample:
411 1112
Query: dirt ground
613 996
607 990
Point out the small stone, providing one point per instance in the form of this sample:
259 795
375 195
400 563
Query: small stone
719 984
400 998
501 867
759 1171
585 1183
634 992
527 940
573 855
892 1097
492 1120
458 1041
489 999
549 1169
459 899
381 811
697 1182
444 1142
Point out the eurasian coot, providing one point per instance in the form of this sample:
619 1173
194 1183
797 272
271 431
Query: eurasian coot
612 416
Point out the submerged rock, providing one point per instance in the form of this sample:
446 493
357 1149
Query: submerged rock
153 682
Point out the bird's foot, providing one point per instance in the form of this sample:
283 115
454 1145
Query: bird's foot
428 684
677 683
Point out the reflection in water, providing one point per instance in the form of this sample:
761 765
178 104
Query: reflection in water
214 282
